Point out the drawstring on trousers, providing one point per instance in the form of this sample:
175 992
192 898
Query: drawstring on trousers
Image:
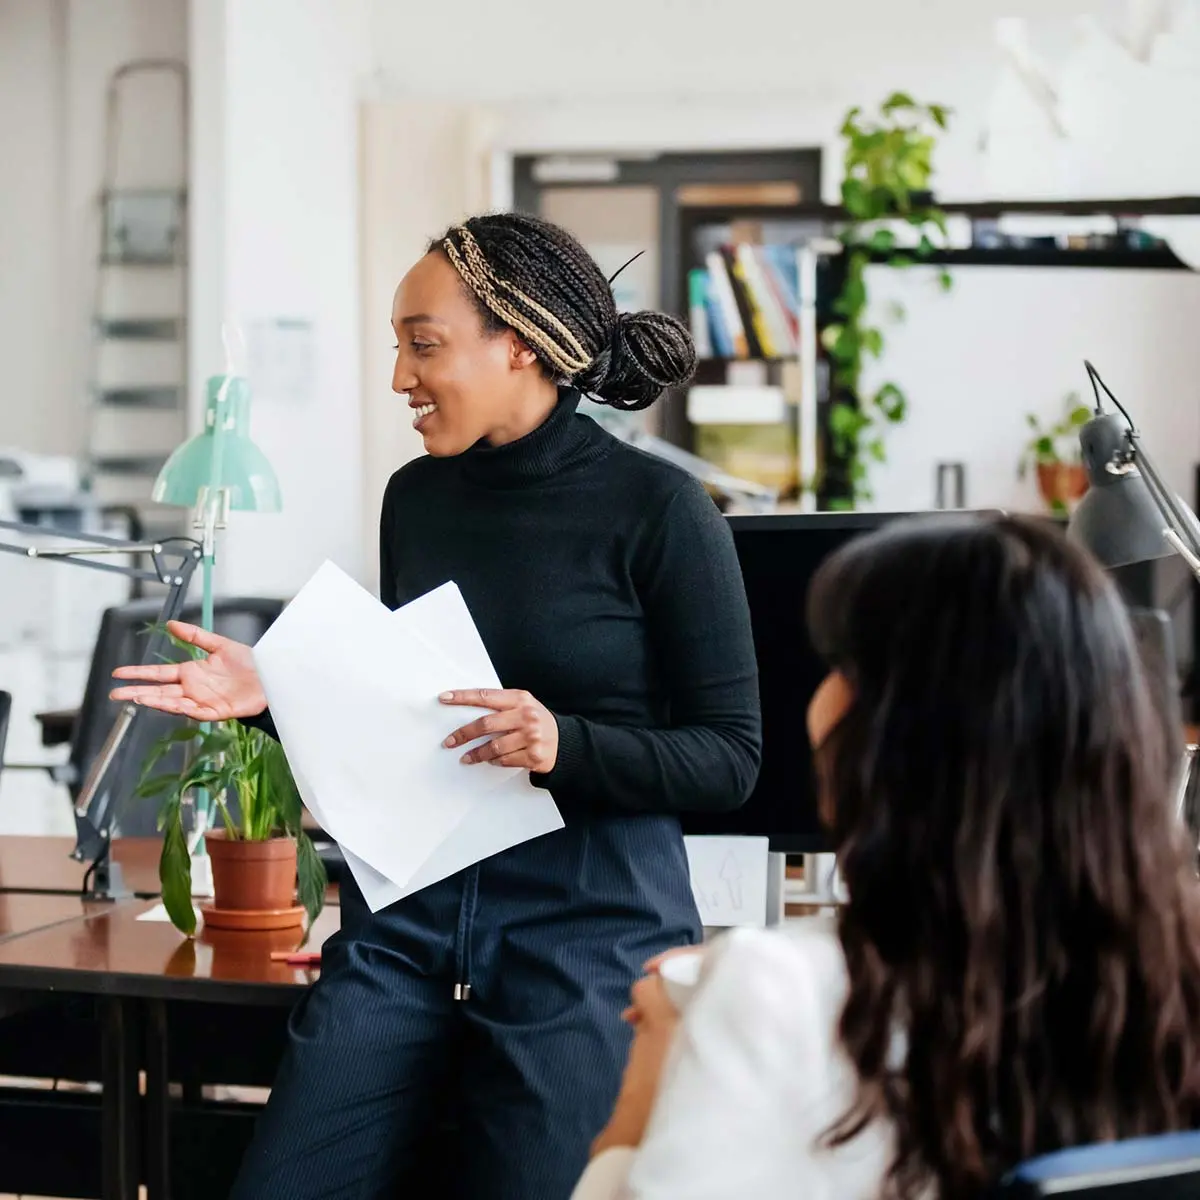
466 923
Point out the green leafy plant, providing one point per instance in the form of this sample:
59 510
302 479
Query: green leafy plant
1055 443
887 166
227 757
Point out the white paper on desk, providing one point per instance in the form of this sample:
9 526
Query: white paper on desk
353 691
729 878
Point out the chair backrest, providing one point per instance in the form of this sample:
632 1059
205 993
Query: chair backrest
121 641
5 713
1187 797
1166 1167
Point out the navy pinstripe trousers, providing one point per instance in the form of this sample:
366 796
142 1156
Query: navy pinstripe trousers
549 936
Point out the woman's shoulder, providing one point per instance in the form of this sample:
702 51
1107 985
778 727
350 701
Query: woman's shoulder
798 968
644 475
774 997
661 499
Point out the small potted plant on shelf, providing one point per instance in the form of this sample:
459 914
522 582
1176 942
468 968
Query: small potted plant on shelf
262 860
1054 451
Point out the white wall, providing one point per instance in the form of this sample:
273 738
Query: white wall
275 232
397 223
647 49
683 73
1007 342
32 34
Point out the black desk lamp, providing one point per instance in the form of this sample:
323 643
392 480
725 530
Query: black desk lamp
1129 514
174 560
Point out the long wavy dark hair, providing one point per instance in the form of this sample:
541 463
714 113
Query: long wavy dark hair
1021 904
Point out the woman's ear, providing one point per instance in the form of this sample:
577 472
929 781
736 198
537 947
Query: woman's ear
520 357
830 703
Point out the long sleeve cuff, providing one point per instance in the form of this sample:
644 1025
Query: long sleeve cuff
571 757
606 1175
263 721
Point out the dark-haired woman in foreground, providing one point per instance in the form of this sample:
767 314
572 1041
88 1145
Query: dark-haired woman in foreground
1017 966
606 589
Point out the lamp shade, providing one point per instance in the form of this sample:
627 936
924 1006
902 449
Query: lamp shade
1118 520
221 456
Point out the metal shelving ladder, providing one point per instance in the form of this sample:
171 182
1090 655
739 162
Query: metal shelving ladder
139 372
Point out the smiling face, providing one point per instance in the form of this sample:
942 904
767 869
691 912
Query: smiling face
463 382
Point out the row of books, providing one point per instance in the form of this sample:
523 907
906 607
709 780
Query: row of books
745 302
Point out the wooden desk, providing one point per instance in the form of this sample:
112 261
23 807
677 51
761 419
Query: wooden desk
44 864
24 912
100 1130
113 953
210 1010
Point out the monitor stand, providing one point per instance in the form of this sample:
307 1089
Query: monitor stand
822 883
820 888
776 887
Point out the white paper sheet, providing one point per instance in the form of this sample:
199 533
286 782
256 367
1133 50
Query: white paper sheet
505 818
729 879
159 913
353 692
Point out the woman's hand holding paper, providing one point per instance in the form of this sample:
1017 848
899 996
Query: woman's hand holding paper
524 732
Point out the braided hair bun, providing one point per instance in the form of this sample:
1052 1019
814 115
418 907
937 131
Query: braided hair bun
533 277
649 353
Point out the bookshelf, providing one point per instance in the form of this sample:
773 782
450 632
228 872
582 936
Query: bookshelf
691 191
984 237
752 276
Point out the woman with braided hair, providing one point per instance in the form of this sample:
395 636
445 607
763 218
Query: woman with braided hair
605 586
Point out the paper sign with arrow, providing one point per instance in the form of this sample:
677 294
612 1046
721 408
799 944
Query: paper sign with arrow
729 879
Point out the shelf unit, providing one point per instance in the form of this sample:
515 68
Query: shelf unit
138 370
819 224
697 191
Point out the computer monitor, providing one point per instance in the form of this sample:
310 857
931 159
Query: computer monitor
779 556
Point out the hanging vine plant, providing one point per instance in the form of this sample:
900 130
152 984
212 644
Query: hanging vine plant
888 163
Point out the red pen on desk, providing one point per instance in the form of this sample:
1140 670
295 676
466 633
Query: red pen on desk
297 958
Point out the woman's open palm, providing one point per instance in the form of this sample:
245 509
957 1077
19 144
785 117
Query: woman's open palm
217 688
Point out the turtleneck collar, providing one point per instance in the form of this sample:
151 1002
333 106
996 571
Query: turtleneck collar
565 439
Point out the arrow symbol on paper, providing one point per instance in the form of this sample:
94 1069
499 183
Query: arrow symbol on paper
731 874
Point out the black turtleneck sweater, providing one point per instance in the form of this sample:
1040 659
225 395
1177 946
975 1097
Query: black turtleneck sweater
604 582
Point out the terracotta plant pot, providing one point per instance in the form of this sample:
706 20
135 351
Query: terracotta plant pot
254 883
1061 484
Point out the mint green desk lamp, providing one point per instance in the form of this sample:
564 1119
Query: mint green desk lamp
218 471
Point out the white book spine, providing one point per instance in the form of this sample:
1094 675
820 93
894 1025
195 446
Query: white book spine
723 291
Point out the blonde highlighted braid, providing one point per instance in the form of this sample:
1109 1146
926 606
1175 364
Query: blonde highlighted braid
534 278
567 355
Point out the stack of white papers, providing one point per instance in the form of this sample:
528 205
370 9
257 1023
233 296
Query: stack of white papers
353 691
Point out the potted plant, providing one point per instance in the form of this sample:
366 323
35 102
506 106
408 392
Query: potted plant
262 860
887 168
1054 451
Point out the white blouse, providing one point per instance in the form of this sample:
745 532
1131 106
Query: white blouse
756 1077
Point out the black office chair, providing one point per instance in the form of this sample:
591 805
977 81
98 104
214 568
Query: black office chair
122 640
1166 1167
5 713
